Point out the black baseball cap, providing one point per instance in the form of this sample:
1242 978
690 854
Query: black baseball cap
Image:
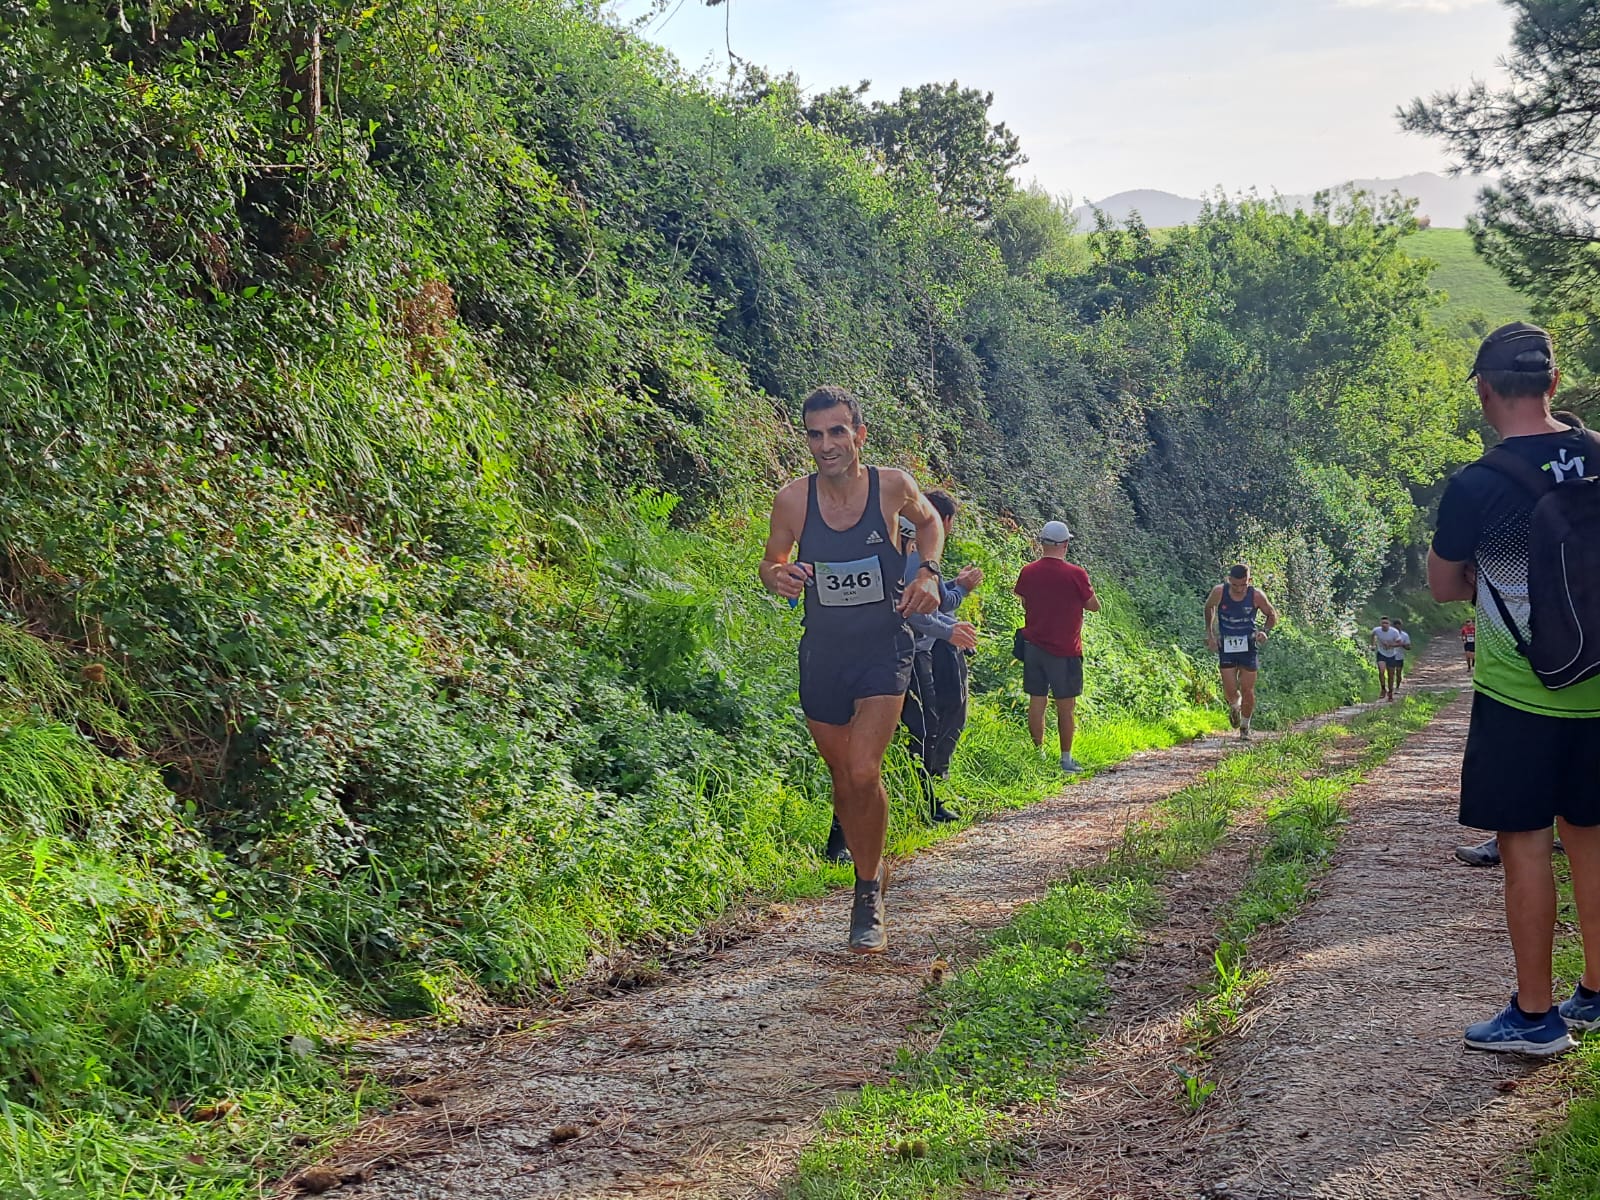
1515 347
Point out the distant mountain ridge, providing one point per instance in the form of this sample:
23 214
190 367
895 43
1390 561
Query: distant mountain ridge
1445 201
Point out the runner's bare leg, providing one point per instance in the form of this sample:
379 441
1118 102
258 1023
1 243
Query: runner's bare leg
854 754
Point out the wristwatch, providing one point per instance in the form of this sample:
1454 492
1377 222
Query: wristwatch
931 564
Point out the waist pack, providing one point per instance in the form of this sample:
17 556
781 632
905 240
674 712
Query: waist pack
1563 642
1018 642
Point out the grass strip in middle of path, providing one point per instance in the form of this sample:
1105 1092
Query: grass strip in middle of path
1009 1022
1302 833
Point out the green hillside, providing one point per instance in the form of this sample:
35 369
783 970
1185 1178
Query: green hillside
1474 286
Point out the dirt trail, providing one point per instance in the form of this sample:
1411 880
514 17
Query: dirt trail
709 1083
1349 1078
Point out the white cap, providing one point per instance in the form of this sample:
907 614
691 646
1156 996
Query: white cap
1055 532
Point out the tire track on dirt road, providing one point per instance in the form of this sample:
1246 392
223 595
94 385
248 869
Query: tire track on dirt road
1348 1078
709 1083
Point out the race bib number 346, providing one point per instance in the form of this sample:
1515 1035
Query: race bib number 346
845 585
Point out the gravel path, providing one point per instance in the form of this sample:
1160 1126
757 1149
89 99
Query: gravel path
1349 1078
708 1083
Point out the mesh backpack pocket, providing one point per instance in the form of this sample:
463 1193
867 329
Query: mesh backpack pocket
1563 642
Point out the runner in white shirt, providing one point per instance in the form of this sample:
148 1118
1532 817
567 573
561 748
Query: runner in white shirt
1387 640
1405 648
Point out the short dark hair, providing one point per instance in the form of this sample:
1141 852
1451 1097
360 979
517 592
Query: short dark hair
943 502
1239 571
831 395
1519 385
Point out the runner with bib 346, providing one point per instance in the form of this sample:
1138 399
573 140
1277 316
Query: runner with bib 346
856 653
1231 612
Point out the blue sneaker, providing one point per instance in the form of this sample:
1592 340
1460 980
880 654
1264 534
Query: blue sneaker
1071 765
1580 1014
1514 1032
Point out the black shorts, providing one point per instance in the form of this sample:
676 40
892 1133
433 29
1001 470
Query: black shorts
1249 660
834 673
1522 770
1046 674
1386 660
1469 647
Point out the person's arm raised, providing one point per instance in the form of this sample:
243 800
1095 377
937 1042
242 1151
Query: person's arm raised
1269 612
778 575
924 594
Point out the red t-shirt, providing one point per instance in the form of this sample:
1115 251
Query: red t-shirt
1053 593
1469 631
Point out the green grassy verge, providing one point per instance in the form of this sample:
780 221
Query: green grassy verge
1011 1021
1566 1165
172 1017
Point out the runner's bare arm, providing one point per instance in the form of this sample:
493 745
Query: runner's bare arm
1092 604
778 575
1269 612
1450 580
1212 601
924 593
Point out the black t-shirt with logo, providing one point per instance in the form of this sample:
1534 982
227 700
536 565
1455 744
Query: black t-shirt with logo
1484 518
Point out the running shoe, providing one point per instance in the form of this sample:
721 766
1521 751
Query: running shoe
867 934
1487 854
1071 765
1484 854
1580 1012
943 815
1244 731
1234 719
1515 1032
837 851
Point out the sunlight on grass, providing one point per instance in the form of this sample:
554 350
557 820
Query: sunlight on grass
1010 1021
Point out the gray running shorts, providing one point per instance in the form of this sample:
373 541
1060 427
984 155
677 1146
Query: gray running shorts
1046 674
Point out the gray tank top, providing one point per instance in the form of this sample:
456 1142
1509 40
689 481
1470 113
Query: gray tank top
856 581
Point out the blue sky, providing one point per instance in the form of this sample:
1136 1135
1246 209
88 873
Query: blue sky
1110 95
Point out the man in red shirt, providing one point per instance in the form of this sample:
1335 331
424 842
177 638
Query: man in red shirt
1055 595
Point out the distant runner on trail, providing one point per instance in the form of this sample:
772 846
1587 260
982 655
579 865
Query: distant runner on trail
1231 632
1469 642
856 652
1387 640
1533 748
1055 594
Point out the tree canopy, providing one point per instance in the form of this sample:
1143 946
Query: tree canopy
1538 134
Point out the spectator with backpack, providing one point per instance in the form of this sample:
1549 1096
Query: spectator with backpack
1522 526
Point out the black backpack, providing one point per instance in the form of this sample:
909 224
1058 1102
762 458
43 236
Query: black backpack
1563 643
